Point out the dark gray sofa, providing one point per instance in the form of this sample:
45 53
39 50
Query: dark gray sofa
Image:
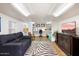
14 44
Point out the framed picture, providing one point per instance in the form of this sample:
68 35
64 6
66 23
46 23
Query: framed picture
42 25
69 28
37 25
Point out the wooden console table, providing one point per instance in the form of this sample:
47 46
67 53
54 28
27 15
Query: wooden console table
68 43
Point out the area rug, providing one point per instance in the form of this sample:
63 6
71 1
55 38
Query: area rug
40 48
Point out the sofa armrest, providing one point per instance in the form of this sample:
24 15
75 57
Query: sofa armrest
11 49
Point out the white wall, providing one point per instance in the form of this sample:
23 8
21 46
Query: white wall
56 26
5 24
54 29
75 18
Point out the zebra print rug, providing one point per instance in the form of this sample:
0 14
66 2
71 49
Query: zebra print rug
40 48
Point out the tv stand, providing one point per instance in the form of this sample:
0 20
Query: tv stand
68 43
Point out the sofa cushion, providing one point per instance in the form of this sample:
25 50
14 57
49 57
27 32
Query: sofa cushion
0 43
14 48
19 39
7 38
10 37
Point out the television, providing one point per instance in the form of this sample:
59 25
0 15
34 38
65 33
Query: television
69 28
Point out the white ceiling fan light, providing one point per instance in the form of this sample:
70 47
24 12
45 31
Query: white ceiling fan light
21 8
63 8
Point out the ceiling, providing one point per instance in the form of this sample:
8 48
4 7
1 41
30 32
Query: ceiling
70 13
39 12
9 10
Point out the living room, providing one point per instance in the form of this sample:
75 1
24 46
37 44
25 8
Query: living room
20 25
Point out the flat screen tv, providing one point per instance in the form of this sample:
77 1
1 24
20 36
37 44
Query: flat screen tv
69 28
